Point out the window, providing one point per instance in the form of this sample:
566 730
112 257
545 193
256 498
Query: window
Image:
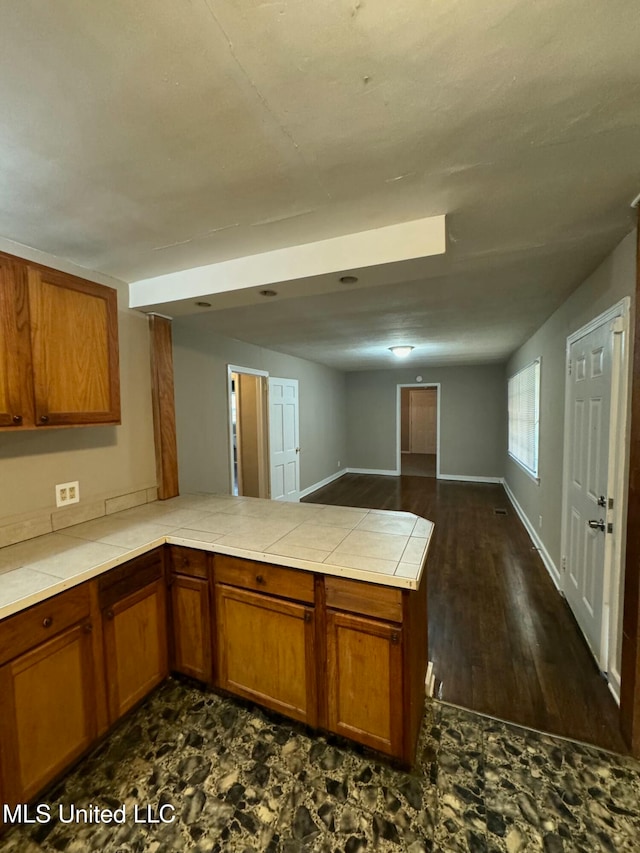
524 417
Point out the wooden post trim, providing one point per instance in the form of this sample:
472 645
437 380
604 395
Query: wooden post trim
164 409
630 667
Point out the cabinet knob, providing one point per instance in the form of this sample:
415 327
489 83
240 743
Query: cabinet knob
47 622
259 579
395 638
17 419
88 628
44 419
307 616
109 614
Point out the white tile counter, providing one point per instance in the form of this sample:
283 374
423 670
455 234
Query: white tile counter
378 546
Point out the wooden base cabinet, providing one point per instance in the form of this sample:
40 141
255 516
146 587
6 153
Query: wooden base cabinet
134 624
47 711
191 614
365 681
266 651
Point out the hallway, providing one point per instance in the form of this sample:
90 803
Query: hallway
502 640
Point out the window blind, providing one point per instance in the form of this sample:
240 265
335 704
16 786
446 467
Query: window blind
524 416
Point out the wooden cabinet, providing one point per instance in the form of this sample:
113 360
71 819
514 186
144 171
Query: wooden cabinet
365 681
16 383
58 349
191 612
342 655
266 651
134 620
47 693
266 643
376 663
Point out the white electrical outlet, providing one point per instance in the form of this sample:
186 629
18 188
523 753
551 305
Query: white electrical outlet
67 493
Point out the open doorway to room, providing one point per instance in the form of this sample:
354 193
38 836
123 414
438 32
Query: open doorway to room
419 433
248 432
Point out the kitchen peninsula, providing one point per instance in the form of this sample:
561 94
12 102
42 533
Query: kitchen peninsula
317 612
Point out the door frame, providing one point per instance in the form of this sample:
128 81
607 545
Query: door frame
618 318
437 386
231 369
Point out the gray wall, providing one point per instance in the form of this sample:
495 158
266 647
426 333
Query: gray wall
613 280
472 418
200 365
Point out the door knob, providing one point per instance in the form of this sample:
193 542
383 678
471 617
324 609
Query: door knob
602 501
597 525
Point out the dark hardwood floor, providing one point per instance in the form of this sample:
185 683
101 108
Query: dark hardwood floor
418 464
502 639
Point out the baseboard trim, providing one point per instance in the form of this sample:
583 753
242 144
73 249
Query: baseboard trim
378 471
463 478
537 541
322 483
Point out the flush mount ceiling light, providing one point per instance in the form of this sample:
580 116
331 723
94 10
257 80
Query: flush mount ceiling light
203 304
401 352
268 292
348 279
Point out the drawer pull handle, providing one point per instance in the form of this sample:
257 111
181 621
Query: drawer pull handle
110 614
47 622
259 579
17 419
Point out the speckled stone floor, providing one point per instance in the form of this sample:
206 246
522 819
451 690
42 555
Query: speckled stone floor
240 781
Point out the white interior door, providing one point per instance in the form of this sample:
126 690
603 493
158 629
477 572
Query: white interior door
284 439
589 418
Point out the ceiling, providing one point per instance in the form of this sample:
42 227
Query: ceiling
138 139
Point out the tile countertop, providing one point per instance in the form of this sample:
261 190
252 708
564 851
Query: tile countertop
378 546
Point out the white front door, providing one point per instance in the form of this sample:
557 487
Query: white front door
589 418
284 439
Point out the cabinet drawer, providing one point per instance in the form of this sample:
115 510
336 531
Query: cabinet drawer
382 602
130 577
189 561
264 577
39 623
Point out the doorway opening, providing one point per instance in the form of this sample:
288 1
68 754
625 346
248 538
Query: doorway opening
248 431
419 430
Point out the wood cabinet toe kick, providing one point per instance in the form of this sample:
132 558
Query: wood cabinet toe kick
343 656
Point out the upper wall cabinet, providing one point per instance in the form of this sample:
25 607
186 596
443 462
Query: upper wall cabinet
16 382
58 349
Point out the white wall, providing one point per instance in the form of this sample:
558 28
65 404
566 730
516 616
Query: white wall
200 372
612 280
472 418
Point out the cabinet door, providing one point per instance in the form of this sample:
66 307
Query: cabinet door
16 387
135 638
266 651
74 349
364 680
47 712
191 624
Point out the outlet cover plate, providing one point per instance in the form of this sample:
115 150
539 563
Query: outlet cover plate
67 493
